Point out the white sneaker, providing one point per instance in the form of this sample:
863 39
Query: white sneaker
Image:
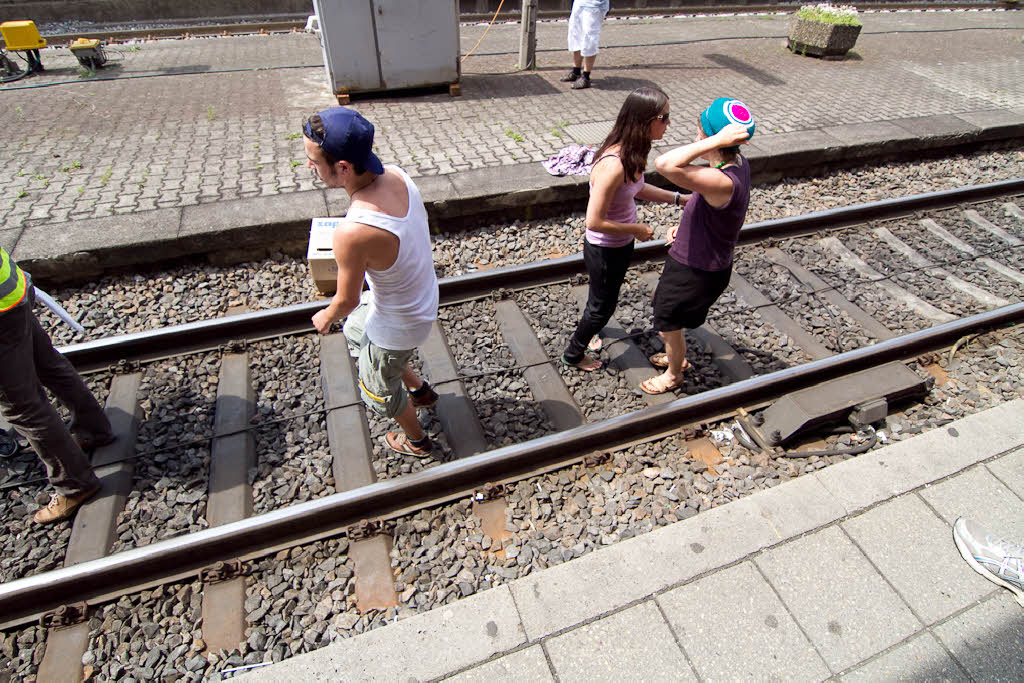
999 561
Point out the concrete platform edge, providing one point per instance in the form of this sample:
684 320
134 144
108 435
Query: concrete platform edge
802 505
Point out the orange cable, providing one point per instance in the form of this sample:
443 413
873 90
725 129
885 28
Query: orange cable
485 32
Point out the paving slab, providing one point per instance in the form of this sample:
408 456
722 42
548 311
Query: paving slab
528 664
904 538
978 495
732 626
841 615
1009 469
632 570
867 479
632 644
798 506
922 658
425 646
988 640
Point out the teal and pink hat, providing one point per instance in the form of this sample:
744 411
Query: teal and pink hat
722 112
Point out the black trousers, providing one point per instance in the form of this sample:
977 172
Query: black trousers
607 268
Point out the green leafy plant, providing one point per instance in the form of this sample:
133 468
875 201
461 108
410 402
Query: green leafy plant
21 114
514 135
76 164
293 136
81 190
296 163
86 73
105 177
826 13
40 176
65 168
22 194
21 173
211 113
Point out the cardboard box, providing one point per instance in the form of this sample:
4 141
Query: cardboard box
320 255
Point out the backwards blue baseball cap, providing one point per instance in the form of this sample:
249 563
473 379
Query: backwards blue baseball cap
347 137
722 112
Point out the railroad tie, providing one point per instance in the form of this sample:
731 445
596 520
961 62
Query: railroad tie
95 526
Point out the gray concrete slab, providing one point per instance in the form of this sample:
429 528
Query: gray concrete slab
873 137
837 597
921 658
995 123
529 664
905 465
938 128
631 570
904 535
631 645
732 626
978 495
798 506
1009 469
424 646
9 238
248 221
988 640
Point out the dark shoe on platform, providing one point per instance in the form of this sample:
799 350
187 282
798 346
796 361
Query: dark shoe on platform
582 82
570 77
61 507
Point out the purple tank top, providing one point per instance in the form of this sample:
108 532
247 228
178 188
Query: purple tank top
622 209
707 236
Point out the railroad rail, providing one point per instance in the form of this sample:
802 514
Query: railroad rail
362 506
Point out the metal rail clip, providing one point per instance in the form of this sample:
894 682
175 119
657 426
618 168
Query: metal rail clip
366 528
126 367
595 459
233 346
221 571
490 491
65 615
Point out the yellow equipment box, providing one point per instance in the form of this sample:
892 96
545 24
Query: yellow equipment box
21 35
320 255
84 44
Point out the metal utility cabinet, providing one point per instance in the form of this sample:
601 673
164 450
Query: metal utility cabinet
374 45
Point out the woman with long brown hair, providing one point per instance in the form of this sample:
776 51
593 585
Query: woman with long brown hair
616 180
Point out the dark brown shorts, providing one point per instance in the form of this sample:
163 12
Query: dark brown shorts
684 295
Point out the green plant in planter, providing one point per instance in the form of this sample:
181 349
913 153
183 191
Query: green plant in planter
824 30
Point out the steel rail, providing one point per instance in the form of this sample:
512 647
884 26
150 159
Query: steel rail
27 598
210 334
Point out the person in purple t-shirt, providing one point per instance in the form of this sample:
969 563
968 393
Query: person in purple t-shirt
699 261
616 178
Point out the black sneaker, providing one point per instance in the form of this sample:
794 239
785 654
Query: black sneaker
424 397
571 76
582 82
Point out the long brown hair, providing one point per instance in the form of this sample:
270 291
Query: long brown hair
632 130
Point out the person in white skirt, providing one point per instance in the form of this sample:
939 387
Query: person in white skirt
584 32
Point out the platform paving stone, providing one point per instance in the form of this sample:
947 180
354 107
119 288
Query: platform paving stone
798 506
528 664
905 465
732 626
635 569
1009 469
629 645
841 615
913 548
978 495
988 639
921 658
474 629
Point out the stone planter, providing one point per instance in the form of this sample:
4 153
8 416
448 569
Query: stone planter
821 40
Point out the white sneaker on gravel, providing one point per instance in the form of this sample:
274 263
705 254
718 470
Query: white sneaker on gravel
999 561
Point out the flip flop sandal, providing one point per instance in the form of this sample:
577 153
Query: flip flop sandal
660 360
578 366
650 386
596 344
400 443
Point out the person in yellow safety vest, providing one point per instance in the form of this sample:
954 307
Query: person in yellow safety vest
28 362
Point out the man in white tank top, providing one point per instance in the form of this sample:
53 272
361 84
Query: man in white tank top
385 240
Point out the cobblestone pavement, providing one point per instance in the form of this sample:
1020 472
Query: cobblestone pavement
192 121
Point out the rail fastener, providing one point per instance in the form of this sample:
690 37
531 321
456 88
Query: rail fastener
65 615
221 571
365 528
489 491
